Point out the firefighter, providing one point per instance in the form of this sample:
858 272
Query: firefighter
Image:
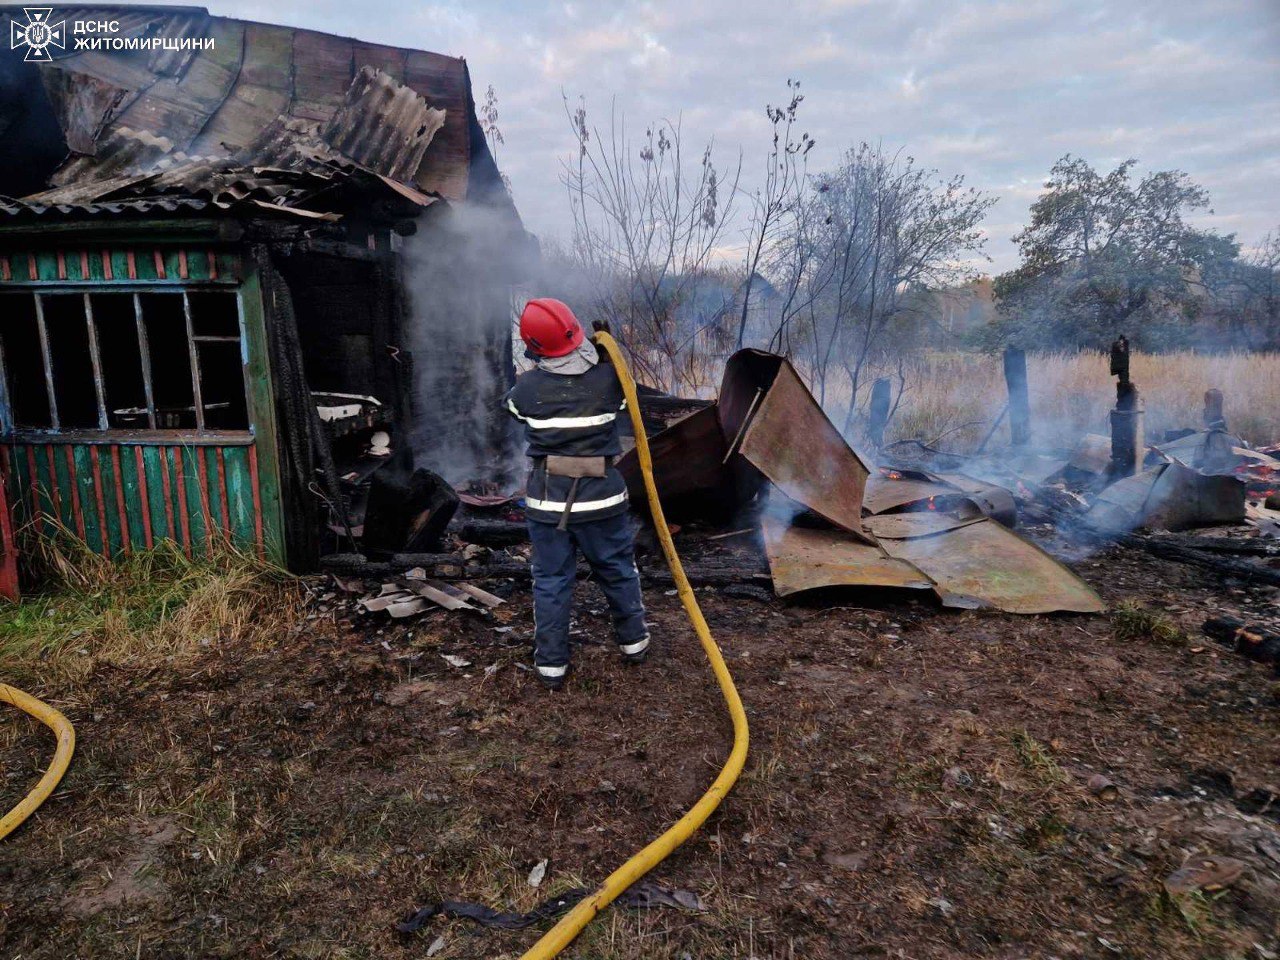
576 500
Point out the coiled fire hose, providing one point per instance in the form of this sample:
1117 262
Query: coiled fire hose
66 735
572 923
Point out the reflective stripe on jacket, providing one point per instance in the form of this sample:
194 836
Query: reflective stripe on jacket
570 415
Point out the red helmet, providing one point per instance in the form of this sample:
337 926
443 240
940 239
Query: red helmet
549 328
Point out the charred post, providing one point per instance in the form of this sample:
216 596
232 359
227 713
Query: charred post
879 413
1015 377
1127 435
1214 418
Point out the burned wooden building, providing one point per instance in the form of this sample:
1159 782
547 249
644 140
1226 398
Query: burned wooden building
224 271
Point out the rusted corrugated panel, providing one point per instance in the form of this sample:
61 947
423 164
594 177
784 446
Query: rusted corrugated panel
803 559
383 124
985 565
791 441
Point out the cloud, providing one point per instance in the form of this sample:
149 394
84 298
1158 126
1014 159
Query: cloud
995 90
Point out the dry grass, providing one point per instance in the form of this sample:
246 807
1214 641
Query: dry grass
152 607
956 396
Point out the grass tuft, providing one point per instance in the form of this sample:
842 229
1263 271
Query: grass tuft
153 606
1131 622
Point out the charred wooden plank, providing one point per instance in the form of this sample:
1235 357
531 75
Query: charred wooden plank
1166 549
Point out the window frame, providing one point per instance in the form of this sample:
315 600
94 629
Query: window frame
104 432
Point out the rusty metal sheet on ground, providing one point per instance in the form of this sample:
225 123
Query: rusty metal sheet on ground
882 494
791 441
904 526
985 565
802 559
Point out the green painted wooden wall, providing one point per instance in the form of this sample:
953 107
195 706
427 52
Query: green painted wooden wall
122 495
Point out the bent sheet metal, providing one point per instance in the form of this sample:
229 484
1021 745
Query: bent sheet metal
986 565
804 558
791 441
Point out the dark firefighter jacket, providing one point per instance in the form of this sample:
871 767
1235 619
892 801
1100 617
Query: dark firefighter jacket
571 415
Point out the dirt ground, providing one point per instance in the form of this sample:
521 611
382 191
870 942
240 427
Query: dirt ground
916 786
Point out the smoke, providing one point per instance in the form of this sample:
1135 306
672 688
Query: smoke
461 270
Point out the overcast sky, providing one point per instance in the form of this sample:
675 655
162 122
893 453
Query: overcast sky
995 90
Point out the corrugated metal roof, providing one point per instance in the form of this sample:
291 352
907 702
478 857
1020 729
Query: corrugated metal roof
271 114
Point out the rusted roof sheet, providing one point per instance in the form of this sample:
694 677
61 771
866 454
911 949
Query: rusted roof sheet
904 526
985 565
883 494
791 441
401 115
803 559
688 458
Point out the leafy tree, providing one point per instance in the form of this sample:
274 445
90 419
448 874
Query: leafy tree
1104 255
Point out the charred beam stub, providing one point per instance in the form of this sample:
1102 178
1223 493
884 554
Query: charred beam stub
1127 434
1015 377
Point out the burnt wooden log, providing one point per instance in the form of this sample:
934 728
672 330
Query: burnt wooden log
1256 643
493 533
1167 549
451 566
1237 546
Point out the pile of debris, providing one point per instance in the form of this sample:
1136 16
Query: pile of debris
792 506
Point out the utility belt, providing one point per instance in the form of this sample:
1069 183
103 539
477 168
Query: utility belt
576 468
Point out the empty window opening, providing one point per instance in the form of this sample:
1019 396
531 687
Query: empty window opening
124 361
24 363
172 391
120 358
74 386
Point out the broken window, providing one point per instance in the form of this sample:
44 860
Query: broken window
124 361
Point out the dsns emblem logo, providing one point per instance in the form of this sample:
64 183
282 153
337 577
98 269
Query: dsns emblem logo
38 34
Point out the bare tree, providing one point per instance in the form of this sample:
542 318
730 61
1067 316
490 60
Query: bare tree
778 197
648 225
874 230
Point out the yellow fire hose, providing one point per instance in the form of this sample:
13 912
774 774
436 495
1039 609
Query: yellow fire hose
571 924
66 735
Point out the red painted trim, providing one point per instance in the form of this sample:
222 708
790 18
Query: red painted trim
257 501
9 558
168 494
145 495
33 271
62 266
84 264
132 261
55 494
202 470
100 501
121 512
181 487
159 265
222 492
213 265
106 265
182 264
37 515
76 511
